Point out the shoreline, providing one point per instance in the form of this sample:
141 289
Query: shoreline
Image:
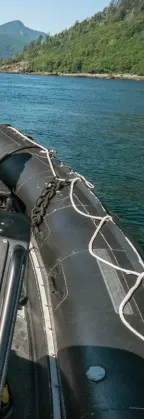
18 69
104 76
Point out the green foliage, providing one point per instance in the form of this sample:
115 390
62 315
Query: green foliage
111 41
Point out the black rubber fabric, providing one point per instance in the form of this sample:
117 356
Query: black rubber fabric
16 150
85 302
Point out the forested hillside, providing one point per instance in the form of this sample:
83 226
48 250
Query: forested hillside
110 41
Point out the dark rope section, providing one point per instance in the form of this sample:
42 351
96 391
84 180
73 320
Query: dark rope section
10 153
43 201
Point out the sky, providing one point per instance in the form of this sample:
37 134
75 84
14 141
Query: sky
49 15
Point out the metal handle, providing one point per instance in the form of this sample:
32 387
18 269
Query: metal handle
9 308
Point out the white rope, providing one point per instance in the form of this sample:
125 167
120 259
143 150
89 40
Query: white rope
125 301
140 276
73 182
118 268
102 220
90 185
50 163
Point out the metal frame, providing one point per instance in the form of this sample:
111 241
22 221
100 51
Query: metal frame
9 306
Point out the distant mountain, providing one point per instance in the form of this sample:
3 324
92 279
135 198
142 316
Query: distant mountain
14 36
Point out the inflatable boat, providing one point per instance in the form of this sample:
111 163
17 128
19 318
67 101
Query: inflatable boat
74 348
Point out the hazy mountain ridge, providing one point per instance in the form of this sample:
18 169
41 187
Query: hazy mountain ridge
14 36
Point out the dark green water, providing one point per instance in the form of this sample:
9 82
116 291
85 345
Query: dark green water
96 125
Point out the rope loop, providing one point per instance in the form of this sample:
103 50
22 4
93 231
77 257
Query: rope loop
39 211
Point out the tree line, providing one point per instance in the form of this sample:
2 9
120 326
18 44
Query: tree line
110 41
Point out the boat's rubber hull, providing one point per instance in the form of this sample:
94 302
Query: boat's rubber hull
85 295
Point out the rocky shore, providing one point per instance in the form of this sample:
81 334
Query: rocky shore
23 68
